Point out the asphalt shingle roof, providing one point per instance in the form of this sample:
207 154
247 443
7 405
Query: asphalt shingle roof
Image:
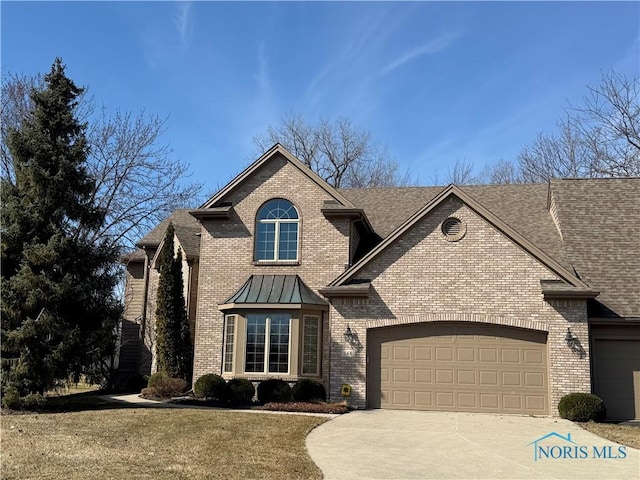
187 230
522 207
600 224
599 220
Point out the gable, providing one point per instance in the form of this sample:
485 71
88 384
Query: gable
277 153
500 226
483 271
228 245
521 206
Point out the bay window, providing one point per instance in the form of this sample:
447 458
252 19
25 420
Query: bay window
311 345
267 343
229 339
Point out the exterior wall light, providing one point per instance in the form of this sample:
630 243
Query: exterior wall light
351 338
573 343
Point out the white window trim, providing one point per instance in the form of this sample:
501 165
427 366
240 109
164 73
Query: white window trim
276 241
318 345
224 342
267 346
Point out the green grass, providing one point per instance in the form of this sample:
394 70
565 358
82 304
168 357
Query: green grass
157 443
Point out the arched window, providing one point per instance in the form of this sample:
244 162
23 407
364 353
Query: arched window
277 231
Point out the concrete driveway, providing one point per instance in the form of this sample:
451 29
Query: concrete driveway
396 444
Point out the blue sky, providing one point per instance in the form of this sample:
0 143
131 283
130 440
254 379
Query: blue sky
433 81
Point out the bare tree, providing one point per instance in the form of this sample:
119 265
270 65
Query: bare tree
340 153
501 172
461 173
137 179
16 108
609 122
599 138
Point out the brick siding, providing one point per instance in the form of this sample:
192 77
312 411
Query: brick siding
421 277
484 277
227 249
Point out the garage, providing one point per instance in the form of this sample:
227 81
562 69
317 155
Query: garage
455 366
616 369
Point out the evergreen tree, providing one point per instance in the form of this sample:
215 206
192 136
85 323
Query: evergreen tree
173 340
59 312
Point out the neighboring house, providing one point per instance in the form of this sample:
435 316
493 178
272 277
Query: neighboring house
499 298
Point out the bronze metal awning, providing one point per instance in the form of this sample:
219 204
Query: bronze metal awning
274 291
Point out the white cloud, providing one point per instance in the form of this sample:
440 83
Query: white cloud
182 22
434 46
349 65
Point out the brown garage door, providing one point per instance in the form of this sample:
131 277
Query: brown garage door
458 367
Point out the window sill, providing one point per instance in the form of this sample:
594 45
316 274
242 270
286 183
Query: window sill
282 263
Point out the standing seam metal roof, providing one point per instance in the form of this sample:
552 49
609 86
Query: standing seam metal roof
275 289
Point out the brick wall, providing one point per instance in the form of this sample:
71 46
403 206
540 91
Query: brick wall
148 360
483 277
134 290
227 249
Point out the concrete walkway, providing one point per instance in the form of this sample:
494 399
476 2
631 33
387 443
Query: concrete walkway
393 444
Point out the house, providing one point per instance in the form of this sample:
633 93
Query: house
499 298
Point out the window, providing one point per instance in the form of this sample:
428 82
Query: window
229 337
277 231
267 349
310 345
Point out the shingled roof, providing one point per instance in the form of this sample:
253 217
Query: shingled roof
187 230
522 207
600 224
599 220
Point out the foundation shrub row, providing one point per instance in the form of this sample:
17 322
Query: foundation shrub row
274 393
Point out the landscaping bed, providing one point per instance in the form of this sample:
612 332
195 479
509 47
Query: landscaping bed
300 407
628 435
211 390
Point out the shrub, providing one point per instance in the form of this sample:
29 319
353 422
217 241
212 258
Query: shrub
306 390
582 407
165 387
155 378
240 391
210 386
149 392
33 401
11 399
274 390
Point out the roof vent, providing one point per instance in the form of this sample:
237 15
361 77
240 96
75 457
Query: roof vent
453 229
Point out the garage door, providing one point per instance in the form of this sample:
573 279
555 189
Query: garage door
617 377
458 367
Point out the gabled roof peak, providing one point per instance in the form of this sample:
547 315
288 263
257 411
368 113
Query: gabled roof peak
490 217
266 157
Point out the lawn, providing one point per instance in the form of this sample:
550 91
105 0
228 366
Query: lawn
156 444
